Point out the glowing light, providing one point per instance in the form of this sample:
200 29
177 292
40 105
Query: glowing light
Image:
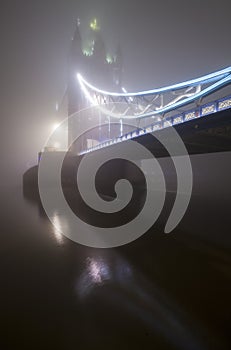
224 73
189 116
208 109
109 59
87 52
57 229
121 127
224 104
88 47
219 79
94 25
125 91
86 92
55 126
185 117
177 120
56 145
156 127
149 129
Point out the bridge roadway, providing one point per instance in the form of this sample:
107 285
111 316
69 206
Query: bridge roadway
200 135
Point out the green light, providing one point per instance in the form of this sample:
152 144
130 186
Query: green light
88 48
109 59
94 25
87 52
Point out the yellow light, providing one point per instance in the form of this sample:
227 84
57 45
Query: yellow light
94 25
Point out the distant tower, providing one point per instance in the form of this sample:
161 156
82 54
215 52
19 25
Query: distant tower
73 92
93 63
75 63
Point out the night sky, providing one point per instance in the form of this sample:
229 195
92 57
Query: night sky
162 42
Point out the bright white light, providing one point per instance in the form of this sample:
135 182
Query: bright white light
55 126
218 80
224 104
167 123
121 127
208 109
86 92
177 120
57 145
222 74
149 129
189 116
57 229
125 91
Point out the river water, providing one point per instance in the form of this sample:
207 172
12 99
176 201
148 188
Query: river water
159 292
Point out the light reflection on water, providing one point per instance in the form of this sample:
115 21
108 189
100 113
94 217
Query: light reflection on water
57 229
98 270
166 286
95 273
112 279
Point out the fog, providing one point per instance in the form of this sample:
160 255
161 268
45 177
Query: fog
162 42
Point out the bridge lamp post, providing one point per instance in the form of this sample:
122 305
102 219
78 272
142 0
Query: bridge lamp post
121 127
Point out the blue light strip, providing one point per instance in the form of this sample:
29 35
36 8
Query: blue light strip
202 111
202 80
221 78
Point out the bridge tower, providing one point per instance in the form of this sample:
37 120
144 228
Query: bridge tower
93 62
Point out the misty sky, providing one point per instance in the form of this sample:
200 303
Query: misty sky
162 42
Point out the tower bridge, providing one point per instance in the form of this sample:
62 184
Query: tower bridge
199 108
105 117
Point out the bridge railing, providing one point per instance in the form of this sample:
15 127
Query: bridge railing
179 118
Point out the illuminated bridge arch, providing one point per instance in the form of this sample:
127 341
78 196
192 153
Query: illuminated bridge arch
154 109
157 101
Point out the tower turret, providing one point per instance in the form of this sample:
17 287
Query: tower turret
73 92
75 63
102 70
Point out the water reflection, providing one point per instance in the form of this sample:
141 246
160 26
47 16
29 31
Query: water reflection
95 273
112 282
99 270
57 229
173 288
